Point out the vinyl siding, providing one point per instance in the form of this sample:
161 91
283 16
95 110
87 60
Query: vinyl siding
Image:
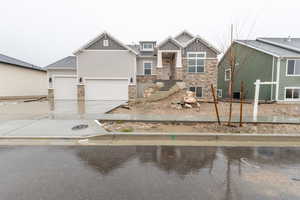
140 66
106 64
169 45
253 65
99 45
286 81
199 47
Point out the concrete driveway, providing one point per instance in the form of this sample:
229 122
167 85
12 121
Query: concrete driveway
52 118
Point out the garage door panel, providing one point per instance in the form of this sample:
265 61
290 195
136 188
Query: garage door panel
106 89
65 88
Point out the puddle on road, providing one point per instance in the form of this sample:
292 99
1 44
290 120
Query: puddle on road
149 172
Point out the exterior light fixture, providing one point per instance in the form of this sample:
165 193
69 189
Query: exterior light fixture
50 80
131 80
80 80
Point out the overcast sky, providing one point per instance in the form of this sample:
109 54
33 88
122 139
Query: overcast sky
43 31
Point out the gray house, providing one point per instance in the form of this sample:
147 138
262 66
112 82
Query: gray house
107 69
275 60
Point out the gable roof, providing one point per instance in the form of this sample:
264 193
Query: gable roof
288 43
268 48
169 39
184 32
203 41
67 62
99 37
19 63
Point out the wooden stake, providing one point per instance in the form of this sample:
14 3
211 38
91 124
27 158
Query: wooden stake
241 103
215 102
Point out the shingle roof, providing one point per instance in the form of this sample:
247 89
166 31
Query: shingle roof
19 63
289 43
269 48
67 62
141 53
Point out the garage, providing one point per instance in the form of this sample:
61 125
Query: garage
65 87
106 89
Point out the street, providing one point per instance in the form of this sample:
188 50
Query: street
149 172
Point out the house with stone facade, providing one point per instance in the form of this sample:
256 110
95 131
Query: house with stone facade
107 69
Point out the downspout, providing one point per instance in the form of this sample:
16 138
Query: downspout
272 78
277 77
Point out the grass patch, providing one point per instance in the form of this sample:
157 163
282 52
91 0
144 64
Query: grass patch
126 130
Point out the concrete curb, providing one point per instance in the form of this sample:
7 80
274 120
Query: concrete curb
198 136
186 119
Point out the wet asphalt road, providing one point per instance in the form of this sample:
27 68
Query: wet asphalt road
137 173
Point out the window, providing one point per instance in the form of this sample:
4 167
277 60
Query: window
219 93
105 43
227 74
292 93
293 68
196 62
197 90
147 46
147 68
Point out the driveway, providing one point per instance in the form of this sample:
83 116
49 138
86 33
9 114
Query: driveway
52 118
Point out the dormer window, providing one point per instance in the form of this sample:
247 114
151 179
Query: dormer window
147 46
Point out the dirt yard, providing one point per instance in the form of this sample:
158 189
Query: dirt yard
199 127
168 106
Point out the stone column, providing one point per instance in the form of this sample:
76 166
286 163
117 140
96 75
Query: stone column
80 92
132 92
50 93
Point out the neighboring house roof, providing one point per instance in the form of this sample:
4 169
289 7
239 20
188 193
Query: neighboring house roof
19 63
288 43
99 37
67 62
268 48
204 41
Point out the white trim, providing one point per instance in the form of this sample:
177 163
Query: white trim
99 37
272 79
87 50
195 58
184 32
277 78
250 46
286 71
225 77
106 78
169 39
203 41
147 61
290 99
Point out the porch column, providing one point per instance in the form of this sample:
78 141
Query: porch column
178 59
159 59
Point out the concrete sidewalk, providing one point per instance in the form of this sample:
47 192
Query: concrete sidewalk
52 119
204 119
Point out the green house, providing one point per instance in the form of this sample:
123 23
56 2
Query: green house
275 60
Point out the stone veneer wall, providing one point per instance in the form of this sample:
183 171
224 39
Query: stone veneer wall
50 93
132 92
203 80
145 78
80 93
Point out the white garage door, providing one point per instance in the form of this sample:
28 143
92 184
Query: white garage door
65 88
106 89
